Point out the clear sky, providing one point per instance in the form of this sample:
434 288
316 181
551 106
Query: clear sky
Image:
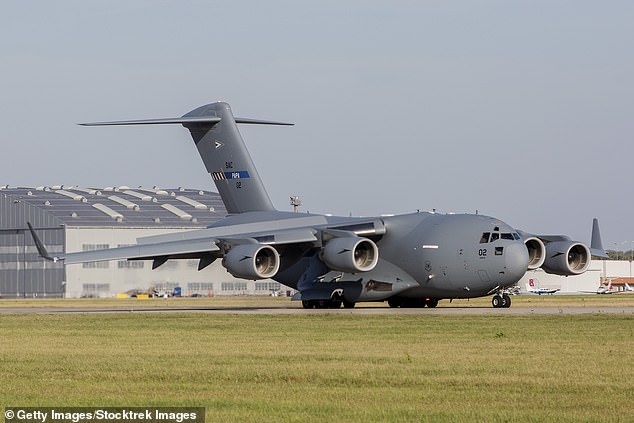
522 110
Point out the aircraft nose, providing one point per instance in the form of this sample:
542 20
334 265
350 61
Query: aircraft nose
516 256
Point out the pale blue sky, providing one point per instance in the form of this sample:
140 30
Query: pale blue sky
520 109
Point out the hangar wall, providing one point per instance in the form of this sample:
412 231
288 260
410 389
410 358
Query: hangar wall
22 271
599 271
71 218
108 278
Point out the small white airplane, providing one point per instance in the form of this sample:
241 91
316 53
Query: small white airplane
530 287
609 289
605 289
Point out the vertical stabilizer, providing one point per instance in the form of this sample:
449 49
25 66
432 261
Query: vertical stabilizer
596 245
227 159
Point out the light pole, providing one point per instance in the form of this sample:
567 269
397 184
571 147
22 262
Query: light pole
629 280
617 248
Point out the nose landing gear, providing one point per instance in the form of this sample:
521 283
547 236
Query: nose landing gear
501 300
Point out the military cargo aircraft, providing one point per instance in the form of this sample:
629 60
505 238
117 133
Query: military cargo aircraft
410 260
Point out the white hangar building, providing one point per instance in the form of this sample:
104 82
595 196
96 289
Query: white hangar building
70 218
600 272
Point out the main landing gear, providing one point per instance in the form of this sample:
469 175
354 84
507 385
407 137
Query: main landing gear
396 302
327 304
501 300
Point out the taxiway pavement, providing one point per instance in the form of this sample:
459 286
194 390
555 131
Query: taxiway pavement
562 310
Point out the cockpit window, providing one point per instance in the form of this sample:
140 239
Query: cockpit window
495 235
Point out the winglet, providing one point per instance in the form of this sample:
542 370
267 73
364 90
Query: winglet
41 249
596 245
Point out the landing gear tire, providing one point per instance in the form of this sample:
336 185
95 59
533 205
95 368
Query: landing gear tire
348 304
501 301
496 301
507 300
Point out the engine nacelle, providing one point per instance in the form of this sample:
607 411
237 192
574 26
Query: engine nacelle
566 258
536 252
252 261
350 254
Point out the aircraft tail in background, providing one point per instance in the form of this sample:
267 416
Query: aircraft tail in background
596 245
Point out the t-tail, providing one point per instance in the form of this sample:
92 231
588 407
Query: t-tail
226 158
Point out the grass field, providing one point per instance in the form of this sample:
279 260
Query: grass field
326 367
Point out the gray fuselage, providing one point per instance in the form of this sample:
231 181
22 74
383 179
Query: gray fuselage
422 255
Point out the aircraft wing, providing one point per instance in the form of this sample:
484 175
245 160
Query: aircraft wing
170 249
258 241
190 244
595 248
174 249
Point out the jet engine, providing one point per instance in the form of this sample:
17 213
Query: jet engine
566 258
536 252
350 254
252 261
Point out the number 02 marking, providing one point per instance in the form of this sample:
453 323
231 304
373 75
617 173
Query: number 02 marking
482 252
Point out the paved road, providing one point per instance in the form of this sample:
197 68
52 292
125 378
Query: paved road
513 311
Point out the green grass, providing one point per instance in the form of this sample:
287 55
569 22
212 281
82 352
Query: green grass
326 367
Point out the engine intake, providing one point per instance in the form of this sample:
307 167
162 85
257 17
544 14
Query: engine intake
252 261
536 252
350 254
566 258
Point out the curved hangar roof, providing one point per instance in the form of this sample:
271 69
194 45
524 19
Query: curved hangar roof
121 206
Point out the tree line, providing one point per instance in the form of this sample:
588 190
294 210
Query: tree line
620 255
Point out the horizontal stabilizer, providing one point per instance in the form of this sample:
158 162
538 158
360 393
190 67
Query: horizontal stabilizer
190 120
167 121
595 252
261 122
